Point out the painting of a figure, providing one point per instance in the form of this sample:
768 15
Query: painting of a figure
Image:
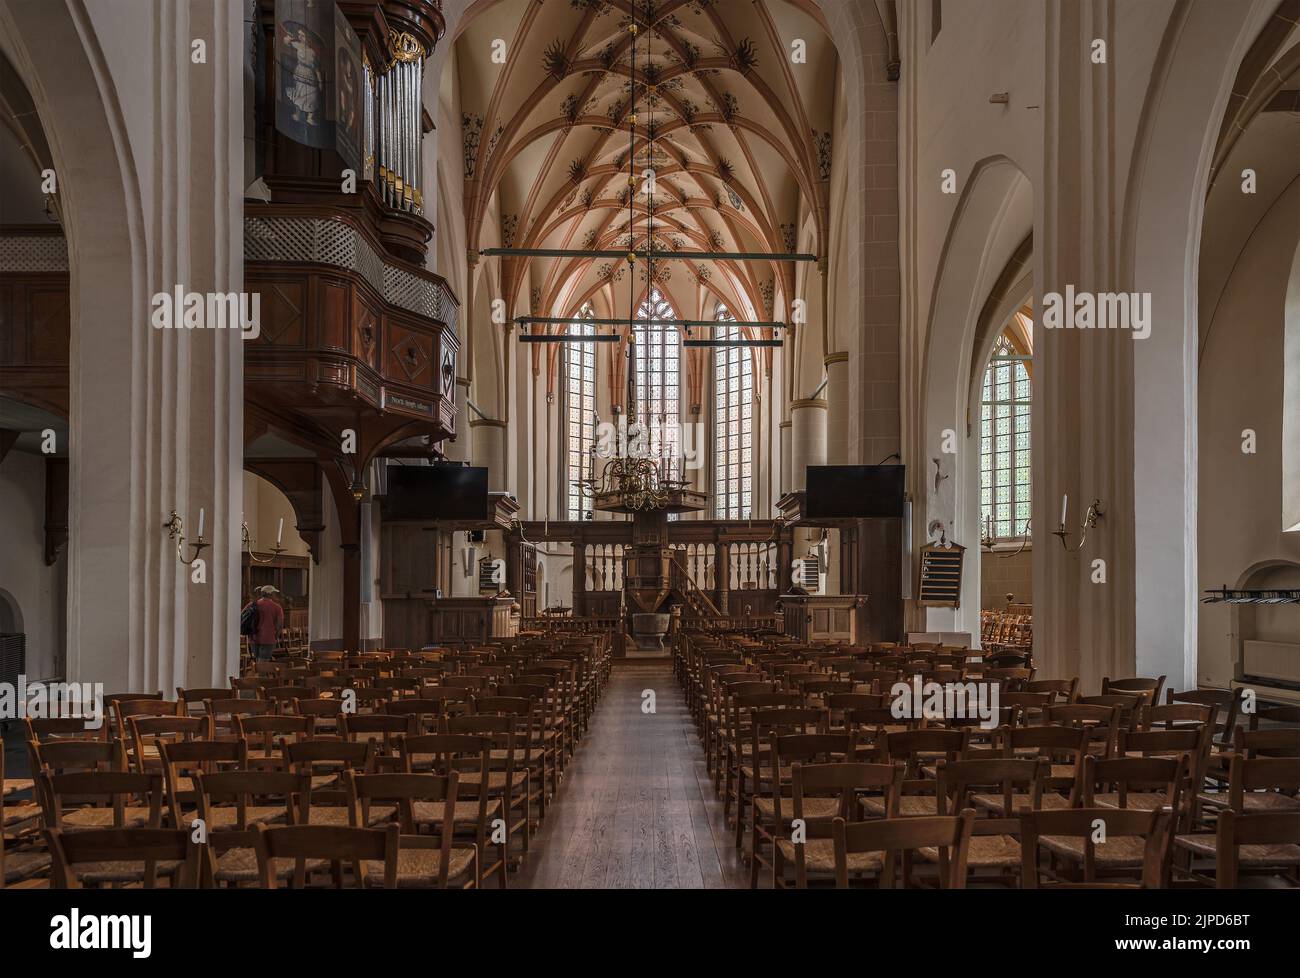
304 65
348 85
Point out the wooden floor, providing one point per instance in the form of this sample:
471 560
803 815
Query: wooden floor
636 808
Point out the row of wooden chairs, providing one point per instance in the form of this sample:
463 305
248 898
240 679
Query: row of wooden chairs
753 708
489 752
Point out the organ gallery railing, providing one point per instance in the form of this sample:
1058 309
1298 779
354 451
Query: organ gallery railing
738 568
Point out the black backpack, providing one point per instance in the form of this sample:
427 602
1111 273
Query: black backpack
249 619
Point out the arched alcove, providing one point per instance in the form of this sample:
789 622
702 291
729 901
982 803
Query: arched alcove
993 219
11 615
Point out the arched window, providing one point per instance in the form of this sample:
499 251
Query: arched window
658 379
1004 442
733 420
580 409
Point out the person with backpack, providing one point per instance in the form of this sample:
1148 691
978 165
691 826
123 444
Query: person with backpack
261 621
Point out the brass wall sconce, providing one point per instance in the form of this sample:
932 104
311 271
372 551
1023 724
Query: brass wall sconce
246 540
1090 519
175 527
987 541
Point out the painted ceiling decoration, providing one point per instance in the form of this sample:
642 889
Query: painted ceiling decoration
738 136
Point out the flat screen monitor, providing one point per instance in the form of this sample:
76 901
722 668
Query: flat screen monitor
854 492
436 492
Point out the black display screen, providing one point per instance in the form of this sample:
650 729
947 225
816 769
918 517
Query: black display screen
855 491
436 492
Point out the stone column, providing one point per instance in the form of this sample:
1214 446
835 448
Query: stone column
156 419
462 449
807 439
837 409
786 466
490 450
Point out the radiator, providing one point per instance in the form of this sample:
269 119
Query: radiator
13 657
1271 660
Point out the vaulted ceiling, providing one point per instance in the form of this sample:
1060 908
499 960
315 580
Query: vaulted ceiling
730 102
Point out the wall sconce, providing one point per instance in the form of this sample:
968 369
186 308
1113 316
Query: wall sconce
987 538
1090 519
246 539
175 527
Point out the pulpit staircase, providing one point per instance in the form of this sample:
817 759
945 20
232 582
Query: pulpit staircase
695 602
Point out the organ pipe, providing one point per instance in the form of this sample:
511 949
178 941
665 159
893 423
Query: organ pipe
395 129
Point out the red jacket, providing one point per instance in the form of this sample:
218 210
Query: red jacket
270 616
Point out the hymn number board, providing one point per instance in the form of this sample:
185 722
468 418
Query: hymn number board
941 576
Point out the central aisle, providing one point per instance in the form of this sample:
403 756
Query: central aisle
636 808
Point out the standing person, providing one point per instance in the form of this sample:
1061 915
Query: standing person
268 618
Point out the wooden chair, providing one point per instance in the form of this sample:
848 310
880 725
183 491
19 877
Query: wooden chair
769 817
232 803
1150 688
383 730
193 700
110 855
326 760
916 793
149 733
18 864
266 734
182 760
1269 842
423 861
1062 690
42 729
341 845
820 793
477 812
324 714
114 793
508 777
1133 838
1062 747
1227 701
893 836
764 725
995 840
224 712
544 745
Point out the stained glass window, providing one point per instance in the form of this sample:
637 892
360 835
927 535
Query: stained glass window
658 379
1004 443
733 424
579 410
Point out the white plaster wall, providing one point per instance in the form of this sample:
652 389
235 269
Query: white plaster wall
39 591
1239 522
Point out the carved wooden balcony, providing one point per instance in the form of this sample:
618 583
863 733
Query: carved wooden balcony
346 329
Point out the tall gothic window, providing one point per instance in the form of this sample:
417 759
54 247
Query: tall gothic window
733 420
658 377
580 409
1004 443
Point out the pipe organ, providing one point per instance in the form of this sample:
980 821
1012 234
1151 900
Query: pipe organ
394 124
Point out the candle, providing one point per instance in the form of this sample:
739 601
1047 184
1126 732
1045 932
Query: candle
279 534
1065 505
200 522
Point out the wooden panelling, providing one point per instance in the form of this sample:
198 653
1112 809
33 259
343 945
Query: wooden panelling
283 312
409 357
49 324
332 323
